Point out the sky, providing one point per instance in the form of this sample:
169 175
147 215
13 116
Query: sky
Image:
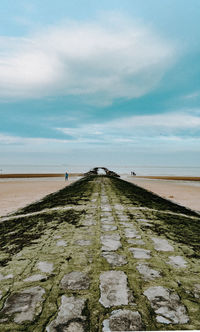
100 82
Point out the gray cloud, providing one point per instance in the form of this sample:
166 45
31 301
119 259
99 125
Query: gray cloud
100 61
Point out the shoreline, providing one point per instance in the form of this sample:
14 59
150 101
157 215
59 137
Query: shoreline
36 175
57 175
168 177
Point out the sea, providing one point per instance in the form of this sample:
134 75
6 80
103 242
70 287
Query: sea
140 170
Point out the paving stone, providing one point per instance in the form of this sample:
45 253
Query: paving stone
75 280
135 241
110 242
106 208
61 243
145 225
36 277
108 220
147 272
162 244
131 233
144 220
114 289
196 291
140 253
57 237
88 222
106 214
166 305
118 207
122 217
114 259
126 224
8 276
70 316
177 261
45 267
83 242
108 228
123 320
24 305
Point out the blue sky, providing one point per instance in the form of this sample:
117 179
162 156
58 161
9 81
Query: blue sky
100 82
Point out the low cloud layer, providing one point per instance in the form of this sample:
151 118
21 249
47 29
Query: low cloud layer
100 61
172 127
167 126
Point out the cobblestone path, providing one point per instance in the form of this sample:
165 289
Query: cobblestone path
103 261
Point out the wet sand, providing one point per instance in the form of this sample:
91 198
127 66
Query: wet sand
182 192
16 193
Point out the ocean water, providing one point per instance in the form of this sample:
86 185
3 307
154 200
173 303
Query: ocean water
125 170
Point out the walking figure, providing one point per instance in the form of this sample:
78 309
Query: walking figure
66 176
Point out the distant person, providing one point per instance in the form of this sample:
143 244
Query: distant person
133 173
66 176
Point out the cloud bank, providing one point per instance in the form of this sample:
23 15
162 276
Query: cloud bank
166 126
101 61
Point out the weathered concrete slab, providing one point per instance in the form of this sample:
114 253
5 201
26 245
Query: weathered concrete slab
108 228
177 261
70 316
108 220
57 237
122 217
162 244
147 272
106 208
8 276
136 241
88 222
24 305
142 220
123 320
105 214
75 280
140 253
110 242
36 277
114 259
61 243
166 305
126 224
131 233
196 291
118 207
114 289
45 267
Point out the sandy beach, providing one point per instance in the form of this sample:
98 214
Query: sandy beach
184 192
16 193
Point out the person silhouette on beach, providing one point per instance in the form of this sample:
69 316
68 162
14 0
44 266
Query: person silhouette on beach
66 176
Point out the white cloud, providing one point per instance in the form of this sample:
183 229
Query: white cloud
101 61
164 126
18 140
37 141
192 95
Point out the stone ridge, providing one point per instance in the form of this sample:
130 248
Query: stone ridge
100 256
